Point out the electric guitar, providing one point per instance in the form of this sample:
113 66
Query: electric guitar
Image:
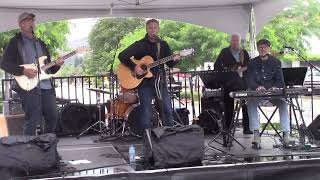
130 80
30 83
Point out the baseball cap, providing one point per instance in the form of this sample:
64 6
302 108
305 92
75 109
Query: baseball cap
24 15
264 42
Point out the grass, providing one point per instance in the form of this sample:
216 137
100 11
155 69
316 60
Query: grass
188 95
269 127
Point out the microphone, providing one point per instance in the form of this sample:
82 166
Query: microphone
32 29
288 47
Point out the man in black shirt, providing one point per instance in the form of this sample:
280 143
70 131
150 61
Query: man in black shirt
264 72
151 45
234 58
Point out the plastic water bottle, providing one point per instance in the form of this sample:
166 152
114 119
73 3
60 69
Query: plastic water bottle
132 156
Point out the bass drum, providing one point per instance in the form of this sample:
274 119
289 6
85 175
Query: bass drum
74 118
133 116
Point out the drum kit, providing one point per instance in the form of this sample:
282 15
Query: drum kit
122 117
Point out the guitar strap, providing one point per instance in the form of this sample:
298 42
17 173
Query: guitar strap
241 56
158 79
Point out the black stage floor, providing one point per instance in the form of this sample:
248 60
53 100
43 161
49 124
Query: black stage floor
88 157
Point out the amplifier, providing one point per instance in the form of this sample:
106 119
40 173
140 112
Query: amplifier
11 125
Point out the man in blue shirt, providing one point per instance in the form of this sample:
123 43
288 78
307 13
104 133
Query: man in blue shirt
264 72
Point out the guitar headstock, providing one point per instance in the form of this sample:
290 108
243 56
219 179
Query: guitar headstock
186 52
82 50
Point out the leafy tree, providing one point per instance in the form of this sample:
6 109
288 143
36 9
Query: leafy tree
294 26
104 39
207 42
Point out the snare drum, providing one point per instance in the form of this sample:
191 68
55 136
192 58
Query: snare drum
133 116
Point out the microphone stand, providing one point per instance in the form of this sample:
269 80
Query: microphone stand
112 97
312 66
38 86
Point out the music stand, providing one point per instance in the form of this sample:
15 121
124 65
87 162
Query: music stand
294 76
220 79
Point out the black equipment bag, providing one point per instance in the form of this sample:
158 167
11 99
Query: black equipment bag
29 155
173 147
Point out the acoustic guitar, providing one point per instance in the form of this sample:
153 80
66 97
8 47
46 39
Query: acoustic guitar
130 80
28 84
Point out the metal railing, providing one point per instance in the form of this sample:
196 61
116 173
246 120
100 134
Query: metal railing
184 87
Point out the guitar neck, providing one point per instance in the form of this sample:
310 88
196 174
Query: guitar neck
52 63
160 61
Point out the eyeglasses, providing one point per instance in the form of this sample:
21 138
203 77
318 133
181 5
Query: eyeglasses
29 19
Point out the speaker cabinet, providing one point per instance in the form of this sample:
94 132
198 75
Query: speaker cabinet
314 128
11 125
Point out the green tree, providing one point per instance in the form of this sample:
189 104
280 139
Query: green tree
207 42
294 26
104 39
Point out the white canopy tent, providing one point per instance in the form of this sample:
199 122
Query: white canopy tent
223 15
243 16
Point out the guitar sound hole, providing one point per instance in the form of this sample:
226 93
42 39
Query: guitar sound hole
144 67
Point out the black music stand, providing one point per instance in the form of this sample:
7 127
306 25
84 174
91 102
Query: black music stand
294 76
215 80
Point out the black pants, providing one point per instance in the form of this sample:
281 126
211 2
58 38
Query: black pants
35 110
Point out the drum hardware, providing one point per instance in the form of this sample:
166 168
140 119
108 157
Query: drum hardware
101 124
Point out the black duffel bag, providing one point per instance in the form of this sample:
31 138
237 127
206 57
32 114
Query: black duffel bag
173 147
29 155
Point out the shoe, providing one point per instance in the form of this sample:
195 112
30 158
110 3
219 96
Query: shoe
247 132
256 143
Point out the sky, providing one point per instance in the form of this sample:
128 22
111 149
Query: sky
81 28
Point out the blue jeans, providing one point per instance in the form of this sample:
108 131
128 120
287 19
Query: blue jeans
34 110
146 94
254 117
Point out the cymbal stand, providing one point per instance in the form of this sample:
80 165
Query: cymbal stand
100 123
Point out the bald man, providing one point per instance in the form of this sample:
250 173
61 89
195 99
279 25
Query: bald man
234 58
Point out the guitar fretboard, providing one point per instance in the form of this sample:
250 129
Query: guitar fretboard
160 61
52 63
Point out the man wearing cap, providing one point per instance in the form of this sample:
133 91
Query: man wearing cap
264 72
25 48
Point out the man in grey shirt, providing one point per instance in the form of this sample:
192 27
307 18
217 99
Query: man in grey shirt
39 102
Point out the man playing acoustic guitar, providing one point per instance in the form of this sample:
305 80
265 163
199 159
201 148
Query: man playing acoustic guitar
152 46
24 48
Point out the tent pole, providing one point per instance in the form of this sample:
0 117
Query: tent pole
252 32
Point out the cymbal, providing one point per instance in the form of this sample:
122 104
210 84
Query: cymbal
99 90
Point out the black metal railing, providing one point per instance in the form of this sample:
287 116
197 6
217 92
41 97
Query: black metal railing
184 87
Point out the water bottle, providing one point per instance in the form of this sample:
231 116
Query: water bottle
132 156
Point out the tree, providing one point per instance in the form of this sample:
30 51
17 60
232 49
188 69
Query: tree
207 42
104 39
294 26
52 33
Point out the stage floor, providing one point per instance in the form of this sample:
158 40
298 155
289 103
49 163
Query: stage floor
87 156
